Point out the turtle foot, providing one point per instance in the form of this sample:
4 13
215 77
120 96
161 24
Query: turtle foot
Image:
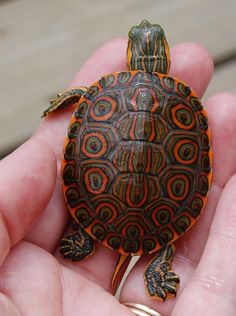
77 245
161 281
65 100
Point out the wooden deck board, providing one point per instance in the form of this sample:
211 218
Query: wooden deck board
43 43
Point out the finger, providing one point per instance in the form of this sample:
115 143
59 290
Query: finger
31 278
104 277
192 64
38 285
26 185
211 290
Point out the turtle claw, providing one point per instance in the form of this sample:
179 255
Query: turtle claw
161 282
171 282
77 245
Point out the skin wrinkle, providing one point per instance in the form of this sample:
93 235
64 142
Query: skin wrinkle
7 221
23 265
7 308
66 284
7 236
212 285
83 271
61 287
83 286
210 303
220 233
65 227
49 145
185 260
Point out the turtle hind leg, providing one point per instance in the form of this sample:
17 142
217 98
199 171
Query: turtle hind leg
65 100
77 245
161 282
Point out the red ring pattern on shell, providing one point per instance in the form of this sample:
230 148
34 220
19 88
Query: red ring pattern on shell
137 161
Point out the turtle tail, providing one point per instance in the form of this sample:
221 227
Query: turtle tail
121 266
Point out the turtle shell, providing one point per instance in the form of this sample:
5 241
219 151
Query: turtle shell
137 161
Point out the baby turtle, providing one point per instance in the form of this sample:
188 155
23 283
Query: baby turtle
137 161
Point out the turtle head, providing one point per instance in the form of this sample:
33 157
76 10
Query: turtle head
148 49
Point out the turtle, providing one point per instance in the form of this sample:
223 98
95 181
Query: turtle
137 162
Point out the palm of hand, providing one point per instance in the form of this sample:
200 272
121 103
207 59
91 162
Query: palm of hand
35 279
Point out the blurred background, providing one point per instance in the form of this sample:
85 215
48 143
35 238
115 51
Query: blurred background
43 43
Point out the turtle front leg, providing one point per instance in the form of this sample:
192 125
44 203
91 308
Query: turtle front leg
65 100
161 282
78 245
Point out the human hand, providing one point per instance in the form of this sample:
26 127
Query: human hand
36 280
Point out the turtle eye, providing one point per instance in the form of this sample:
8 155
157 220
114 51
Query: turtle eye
133 33
157 29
